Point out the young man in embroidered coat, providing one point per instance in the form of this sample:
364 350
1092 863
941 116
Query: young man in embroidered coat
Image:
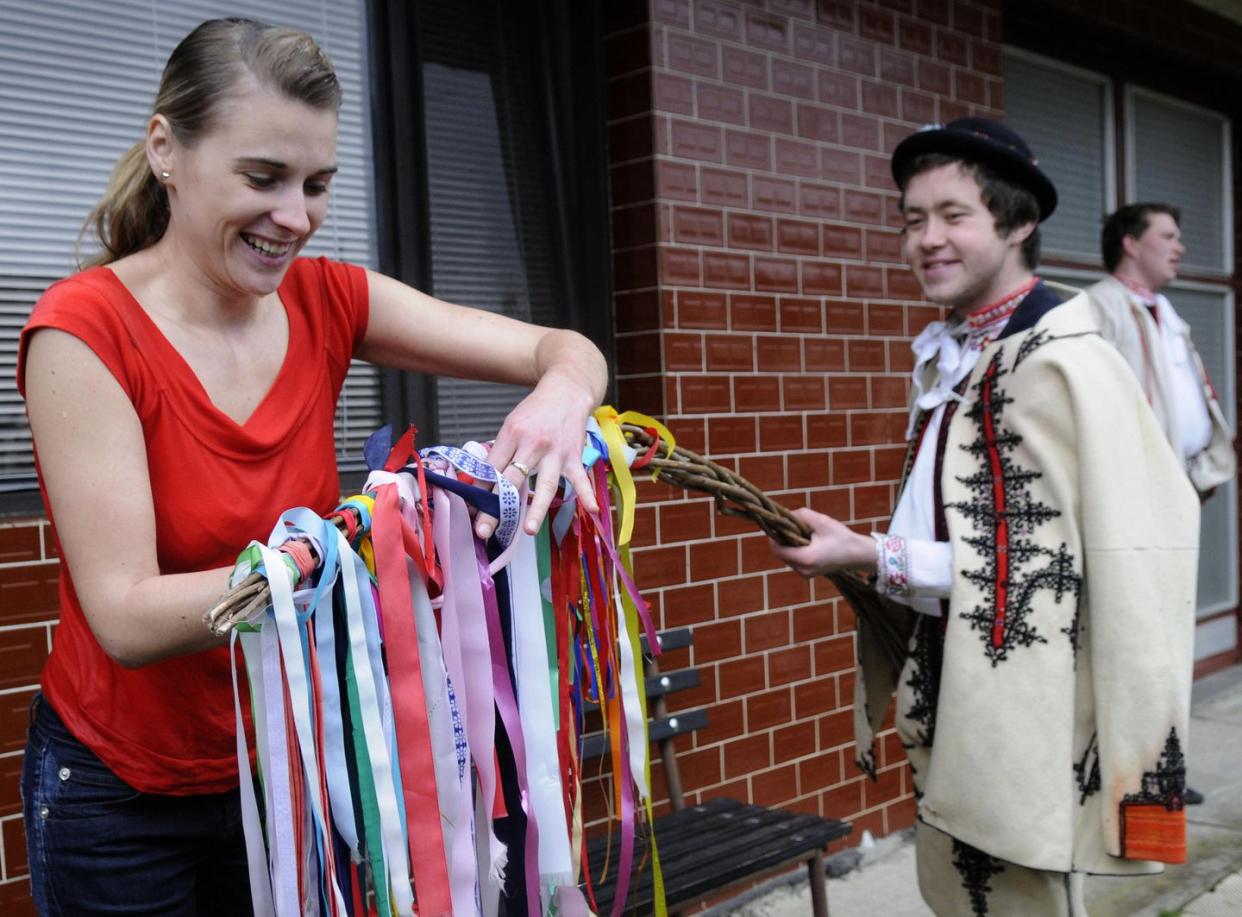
1044 700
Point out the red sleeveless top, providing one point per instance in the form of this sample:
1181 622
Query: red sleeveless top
169 727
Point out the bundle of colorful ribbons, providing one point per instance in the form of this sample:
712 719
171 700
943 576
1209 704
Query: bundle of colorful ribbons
417 695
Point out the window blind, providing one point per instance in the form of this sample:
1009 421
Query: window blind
1178 155
77 79
1209 315
1061 114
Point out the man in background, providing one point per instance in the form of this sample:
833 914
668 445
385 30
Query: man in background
1142 248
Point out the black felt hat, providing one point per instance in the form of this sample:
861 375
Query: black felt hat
987 142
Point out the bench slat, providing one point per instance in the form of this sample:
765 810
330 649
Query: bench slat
706 848
710 847
670 640
660 685
595 745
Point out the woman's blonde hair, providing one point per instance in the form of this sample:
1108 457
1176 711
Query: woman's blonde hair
200 74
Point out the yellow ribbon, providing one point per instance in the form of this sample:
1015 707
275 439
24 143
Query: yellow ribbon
632 630
365 550
610 426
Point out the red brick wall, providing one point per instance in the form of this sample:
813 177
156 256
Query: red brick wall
28 607
763 311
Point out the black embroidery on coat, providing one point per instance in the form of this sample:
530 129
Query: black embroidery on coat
1074 630
1167 783
976 869
1004 515
1032 343
1087 771
927 655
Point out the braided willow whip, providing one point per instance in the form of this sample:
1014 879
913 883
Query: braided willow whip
244 599
736 496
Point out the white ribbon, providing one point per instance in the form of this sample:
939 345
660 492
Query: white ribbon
530 658
631 706
453 790
256 860
376 708
467 657
954 359
289 634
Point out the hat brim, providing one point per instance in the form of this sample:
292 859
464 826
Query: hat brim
978 148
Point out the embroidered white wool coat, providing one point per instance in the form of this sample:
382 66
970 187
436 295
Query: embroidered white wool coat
1056 720
1134 332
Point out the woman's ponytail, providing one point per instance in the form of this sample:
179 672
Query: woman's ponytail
133 213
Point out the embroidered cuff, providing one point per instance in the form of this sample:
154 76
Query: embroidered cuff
892 565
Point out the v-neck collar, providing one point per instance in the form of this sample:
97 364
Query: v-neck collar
274 415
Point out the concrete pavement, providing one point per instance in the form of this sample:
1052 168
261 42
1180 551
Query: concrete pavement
1209 885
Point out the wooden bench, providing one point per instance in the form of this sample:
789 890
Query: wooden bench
714 846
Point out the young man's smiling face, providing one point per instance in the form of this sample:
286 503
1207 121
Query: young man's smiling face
951 242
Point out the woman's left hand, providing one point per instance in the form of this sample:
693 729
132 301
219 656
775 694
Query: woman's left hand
543 438
545 433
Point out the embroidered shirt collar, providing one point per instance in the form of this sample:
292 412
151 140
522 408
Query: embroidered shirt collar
945 354
986 322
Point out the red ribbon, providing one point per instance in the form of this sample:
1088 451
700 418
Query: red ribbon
390 539
644 460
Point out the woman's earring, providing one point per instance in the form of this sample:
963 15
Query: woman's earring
165 175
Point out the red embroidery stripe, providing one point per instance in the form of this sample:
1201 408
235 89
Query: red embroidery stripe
998 500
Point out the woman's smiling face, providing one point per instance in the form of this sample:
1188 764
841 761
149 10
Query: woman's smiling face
247 196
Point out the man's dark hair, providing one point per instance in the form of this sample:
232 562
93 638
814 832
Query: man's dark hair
1130 220
1011 205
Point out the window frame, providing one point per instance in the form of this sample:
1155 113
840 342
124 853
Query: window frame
1132 90
1108 117
572 44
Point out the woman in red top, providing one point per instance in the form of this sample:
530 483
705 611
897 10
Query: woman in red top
181 395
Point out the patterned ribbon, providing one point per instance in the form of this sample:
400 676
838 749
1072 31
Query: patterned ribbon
375 716
468 660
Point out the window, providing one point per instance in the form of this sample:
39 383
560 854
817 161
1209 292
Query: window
76 85
1180 153
1066 115
493 137
1176 153
472 155
493 230
1209 312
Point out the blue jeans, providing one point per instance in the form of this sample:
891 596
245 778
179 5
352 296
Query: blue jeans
97 845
